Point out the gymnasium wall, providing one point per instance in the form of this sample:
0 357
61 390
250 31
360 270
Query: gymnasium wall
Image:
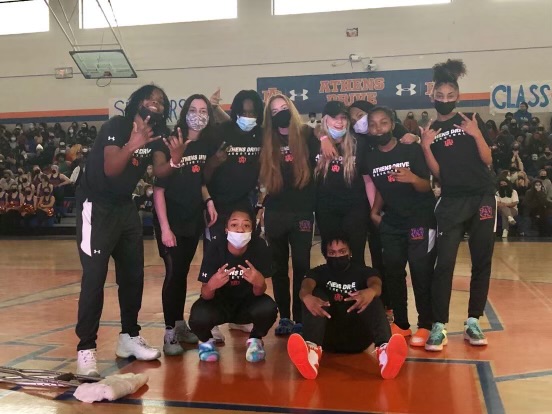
500 40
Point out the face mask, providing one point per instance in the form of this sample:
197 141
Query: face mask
339 263
246 124
14 190
444 108
197 121
70 131
383 140
361 126
149 193
543 177
24 180
337 133
282 118
425 116
13 145
238 240
155 117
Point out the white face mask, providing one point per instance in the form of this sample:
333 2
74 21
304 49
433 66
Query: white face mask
149 193
361 126
238 240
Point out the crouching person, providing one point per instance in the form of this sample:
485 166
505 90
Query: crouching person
342 313
233 274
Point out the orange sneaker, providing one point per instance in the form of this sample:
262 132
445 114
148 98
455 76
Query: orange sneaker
420 337
304 355
404 332
391 356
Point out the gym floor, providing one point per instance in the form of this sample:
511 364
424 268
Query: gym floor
40 282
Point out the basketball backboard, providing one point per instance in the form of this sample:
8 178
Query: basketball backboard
98 64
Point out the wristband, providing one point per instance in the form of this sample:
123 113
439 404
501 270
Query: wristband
322 138
173 165
206 201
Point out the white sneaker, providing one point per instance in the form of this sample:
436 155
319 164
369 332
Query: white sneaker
218 336
248 327
171 346
86 363
511 220
504 234
136 346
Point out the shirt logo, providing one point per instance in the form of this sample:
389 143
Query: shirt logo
338 297
242 160
449 142
288 158
336 168
110 138
411 90
97 251
196 169
486 213
135 162
417 233
391 178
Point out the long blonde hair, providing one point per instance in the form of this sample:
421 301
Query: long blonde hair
271 156
348 144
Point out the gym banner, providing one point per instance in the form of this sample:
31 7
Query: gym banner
398 89
506 96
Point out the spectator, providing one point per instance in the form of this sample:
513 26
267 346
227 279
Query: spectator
546 183
62 164
545 160
514 127
424 120
507 203
44 185
515 162
492 130
92 133
8 180
521 186
507 119
312 120
145 203
411 124
59 132
45 206
148 176
538 207
2 165
28 206
12 215
522 115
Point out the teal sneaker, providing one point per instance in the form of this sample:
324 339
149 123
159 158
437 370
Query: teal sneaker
473 333
255 350
208 351
437 337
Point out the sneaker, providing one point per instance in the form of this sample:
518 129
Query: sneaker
86 363
255 350
218 336
304 355
184 334
504 234
284 327
391 356
137 347
248 327
390 316
437 337
208 351
420 337
395 329
297 328
473 332
171 346
511 221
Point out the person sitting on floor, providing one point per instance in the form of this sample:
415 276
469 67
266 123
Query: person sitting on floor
332 322
233 288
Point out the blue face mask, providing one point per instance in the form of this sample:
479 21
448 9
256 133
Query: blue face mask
246 124
337 133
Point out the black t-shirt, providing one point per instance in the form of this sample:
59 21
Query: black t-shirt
338 285
404 206
94 184
333 192
183 187
237 288
237 177
291 198
461 169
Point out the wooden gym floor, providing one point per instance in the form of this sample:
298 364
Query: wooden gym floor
40 282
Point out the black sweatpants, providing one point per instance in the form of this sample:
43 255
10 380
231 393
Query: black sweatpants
177 265
376 254
352 221
455 215
261 311
416 247
105 230
346 332
285 229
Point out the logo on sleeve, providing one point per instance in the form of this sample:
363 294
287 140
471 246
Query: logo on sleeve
110 138
305 226
417 233
486 213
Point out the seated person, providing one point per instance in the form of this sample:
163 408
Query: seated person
332 322
233 288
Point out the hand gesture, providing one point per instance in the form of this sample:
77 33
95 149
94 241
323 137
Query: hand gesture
252 275
376 219
469 126
141 134
428 134
403 175
212 213
362 299
220 278
409 139
168 238
215 98
315 305
176 146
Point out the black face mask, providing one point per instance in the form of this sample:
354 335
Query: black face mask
339 263
13 190
155 117
381 140
445 108
543 177
282 119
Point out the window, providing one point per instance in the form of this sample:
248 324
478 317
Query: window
142 12
280 7
24 17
